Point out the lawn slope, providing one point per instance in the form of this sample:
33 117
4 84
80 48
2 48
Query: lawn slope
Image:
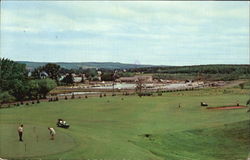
114 128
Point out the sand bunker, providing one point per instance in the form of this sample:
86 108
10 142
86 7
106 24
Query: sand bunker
227 107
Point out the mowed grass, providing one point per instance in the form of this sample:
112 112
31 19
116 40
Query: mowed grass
147 128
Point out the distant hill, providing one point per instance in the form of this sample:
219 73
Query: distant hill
77 65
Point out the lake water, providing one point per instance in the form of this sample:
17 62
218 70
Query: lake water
118 86
153 86
77 93
132 86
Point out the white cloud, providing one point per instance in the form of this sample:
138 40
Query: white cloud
112 16
127 27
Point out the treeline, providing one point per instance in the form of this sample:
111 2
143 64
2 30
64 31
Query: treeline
205 69
76 65
199 72
16 84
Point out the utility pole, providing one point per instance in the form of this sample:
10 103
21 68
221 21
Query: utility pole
114 75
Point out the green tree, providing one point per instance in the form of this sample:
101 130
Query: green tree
241 85
10 71
139 86
53 71
13 78
33 86
68 79
36 73
19 89
46 85
108 76
90 73
5 97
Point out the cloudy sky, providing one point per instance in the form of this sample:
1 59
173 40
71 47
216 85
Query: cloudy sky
162 33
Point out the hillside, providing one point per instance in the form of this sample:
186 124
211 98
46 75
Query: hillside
77 65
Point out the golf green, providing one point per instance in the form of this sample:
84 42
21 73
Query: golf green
36 142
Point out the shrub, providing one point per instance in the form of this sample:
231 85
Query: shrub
100 95
5 97
86 96
248 102
38 101
145 94
72 96
65 97
159 93
241 85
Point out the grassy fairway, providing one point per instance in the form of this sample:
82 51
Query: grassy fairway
147 128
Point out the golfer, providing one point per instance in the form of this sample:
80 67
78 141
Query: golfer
20 132
179 105
52 132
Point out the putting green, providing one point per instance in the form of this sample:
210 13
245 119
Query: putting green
36 142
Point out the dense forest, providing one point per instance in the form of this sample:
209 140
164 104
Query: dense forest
199 72
206 69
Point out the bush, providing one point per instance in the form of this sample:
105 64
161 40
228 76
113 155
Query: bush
104 95
145 94
38 101
86 96
27 103
73 96
5 97
248 102
65 97
159 93
241 85
100 95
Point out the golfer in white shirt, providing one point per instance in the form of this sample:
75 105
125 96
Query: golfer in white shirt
52 132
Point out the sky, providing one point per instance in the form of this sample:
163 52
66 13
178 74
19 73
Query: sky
137 32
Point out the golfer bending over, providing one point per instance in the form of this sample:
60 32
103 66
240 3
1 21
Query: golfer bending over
20 132
52 132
